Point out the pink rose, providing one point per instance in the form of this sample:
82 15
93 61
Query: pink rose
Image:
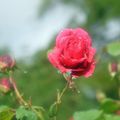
73 53
6 62
5 85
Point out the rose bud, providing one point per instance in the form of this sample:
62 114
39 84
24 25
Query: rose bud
5 85
73 53
100 96
6 62
113 68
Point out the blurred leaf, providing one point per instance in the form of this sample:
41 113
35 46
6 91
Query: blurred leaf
95 115
22 113
114 48
40 112
53 110
112 117
39 108
6 114
88 115
109 106
3 107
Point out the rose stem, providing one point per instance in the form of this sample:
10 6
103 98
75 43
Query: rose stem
62 93
59 98
20 98
18 95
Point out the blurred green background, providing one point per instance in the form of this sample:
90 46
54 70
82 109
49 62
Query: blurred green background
37 79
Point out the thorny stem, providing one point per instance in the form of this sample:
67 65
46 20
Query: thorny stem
62 93
59 99
20 98
18 95
69 84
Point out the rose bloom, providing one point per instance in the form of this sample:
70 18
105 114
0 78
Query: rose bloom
6 62
73 52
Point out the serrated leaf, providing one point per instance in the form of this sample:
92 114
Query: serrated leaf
114 48
7 114
24 114
88 115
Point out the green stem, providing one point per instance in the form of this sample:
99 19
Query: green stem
18 95
59 99
62 93
39 114
21 99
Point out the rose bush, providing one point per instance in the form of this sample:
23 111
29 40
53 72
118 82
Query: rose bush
73 53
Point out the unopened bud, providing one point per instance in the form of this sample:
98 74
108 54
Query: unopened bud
100 96
113 68
5 85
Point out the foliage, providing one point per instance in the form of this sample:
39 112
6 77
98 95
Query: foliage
39 82
114 48
94 115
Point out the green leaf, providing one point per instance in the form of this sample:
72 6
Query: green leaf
112 117
3 107
24 114
114 48
39 108
53 110
88 115
109 105
6 114
41 112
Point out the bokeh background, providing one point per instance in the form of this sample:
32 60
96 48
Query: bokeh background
27 31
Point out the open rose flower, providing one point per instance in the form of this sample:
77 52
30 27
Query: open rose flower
73 53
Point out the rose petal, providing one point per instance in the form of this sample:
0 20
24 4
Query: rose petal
92 52
54 59
90 70
62 37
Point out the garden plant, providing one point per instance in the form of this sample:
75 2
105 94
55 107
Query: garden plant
73 56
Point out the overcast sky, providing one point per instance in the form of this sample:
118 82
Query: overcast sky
23 32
